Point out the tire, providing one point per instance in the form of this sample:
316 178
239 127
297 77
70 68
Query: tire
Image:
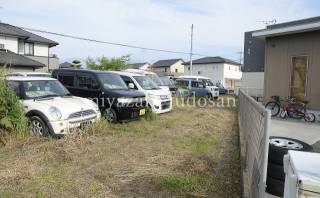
278 150
309 117
274 107
275 187
110 115
38 126
276 171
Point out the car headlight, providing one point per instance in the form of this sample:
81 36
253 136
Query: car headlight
96 107
154 96
55 113
124 100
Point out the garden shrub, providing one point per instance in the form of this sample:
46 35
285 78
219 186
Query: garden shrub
12 118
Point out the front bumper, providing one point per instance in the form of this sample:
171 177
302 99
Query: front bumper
130 112
63 127
160 106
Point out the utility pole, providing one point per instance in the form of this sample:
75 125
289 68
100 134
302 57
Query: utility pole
191 69
240 58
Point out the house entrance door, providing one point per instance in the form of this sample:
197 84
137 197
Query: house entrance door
299 77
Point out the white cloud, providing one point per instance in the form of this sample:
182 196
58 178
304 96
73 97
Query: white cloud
219 25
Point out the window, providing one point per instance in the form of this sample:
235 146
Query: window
87 82
188 68
199 72
128 80
21 47
13 85
194 84
29 49
1 46
176 70
165 69
67 80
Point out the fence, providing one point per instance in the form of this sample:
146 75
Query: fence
254 141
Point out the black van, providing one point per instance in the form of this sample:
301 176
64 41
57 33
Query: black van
116 101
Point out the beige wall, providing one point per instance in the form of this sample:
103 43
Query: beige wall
279 53
178 65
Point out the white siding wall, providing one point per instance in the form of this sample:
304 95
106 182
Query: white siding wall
253 83
10 43
41 49
213 71
232 72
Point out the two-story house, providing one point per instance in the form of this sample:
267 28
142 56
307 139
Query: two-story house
168 67
221 70
21 50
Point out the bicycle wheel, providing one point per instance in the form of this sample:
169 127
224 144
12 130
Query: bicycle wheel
309 117
274 107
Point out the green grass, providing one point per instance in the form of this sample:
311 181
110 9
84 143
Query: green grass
185 183
198 146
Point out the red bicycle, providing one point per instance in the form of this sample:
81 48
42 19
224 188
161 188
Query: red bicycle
297 110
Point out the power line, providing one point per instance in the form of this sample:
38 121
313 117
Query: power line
108 42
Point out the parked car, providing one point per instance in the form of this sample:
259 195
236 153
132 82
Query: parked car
167 81
196 87
50 107
159 100
221 88
116 101
31 74
153 76
214 90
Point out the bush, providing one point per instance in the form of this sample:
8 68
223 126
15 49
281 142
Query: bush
12 118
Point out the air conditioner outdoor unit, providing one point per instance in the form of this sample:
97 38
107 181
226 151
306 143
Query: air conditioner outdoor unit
302 175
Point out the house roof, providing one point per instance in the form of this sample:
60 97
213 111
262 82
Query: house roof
292 27
65 65
9 58
216 59
10 30
138 65
165 63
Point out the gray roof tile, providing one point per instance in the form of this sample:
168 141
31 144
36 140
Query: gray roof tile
165 63
9 58
216 59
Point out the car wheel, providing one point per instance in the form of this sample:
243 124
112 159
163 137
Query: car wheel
279 146
38 126
276 171
110 115
275 187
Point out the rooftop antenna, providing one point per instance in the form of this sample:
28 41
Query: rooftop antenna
270 22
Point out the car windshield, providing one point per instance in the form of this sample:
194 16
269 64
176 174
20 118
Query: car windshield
166 80
155 78
208 82
43 88
146 83
112 81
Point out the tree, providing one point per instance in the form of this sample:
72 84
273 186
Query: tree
105 63
75 64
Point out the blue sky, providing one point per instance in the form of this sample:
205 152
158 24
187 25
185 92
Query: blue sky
219 25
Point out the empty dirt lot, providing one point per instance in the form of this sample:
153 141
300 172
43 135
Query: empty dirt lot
190 152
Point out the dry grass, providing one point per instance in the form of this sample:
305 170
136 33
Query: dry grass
190 152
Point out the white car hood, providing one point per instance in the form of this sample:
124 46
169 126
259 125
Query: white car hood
66 105
158 92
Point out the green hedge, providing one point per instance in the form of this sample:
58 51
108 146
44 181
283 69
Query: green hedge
12 118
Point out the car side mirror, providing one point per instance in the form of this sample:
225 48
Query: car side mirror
131 86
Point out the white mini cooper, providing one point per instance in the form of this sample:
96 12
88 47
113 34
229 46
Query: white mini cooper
51 109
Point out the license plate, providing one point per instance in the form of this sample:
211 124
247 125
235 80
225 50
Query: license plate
142 111
84 124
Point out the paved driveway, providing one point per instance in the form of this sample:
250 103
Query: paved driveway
307 132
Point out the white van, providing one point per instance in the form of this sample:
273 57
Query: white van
153 76
214 90
159 100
